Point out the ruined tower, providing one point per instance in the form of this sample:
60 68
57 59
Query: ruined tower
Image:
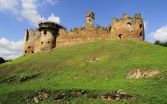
128 27
41 39
90 17
49 32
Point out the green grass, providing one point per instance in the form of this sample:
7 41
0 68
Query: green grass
70 68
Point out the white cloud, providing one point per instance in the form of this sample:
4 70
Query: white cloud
23 10
10 49
8 4
145 25
29 11
26 9
53 18
160 34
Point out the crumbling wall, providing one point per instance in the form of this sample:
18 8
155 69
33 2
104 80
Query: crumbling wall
81 35
29 41
103 33
128 28
37 45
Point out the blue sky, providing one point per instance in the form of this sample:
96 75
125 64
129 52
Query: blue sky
16 15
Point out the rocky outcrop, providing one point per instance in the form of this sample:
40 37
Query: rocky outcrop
136 74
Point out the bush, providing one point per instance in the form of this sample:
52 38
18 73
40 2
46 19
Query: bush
2 60
161 43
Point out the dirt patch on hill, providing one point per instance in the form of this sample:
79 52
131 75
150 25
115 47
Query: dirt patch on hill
117 95
65 95
136 74
39 96
93 59
114 95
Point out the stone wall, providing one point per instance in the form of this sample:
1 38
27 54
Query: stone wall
48 40
81 35
50 35
128 28
29 41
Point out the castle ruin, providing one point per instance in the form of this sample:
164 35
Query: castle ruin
50 35
128 28
41 39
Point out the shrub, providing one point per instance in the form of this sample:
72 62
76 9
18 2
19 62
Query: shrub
161 43
2 60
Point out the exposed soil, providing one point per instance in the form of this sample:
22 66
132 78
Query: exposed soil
142 74
92 59
62 95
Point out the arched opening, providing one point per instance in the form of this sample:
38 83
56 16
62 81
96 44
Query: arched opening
32 51
25 51
42 42
129 25
29 47
48 42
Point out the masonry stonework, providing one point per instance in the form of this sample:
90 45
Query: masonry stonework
128 28
50 35
41 39
90 17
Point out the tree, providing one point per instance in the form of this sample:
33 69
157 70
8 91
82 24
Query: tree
161 43
2 60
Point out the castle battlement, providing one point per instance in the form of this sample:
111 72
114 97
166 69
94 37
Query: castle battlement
125 16
50 35
48 25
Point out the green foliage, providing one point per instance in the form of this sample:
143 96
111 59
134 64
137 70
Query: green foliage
97 67
161 43
2 60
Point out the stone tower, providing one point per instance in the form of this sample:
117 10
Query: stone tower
49 32
90 17
41 39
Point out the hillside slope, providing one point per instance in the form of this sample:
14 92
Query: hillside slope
96 68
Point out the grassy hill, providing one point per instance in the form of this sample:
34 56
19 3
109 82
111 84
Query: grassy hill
81 74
